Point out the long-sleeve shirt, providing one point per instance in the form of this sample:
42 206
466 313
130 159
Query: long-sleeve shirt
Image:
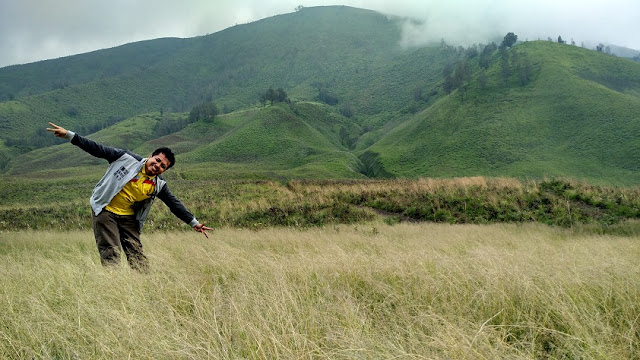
123 167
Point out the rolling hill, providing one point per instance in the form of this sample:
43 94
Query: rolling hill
386 111
578 117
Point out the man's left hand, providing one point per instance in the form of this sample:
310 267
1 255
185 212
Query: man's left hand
203 229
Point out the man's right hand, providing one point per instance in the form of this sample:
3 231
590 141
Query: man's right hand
58 131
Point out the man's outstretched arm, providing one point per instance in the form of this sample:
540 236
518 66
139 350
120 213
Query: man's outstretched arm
179 210
96 149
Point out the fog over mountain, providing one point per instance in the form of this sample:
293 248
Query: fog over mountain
33 30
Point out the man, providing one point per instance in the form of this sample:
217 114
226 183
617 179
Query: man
121 200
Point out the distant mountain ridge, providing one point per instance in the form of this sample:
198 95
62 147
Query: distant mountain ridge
362 106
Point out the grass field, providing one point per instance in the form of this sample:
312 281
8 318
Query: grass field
370 290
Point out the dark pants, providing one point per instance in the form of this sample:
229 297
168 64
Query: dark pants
115 231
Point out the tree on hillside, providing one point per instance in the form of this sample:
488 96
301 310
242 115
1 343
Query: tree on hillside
269 95
281 95
462 76
457 77
524 69
324 94
504 65
448 83
448 68
168 125
515 58
509 40
272 96
483 81
471 52
327 97
203 112
485 57
346 110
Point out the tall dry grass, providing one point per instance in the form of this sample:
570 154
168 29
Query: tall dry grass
366 291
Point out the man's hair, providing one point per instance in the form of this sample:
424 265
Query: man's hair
168 154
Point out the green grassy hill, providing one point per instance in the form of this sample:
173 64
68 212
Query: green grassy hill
579 116
361 105
20 81
278 141
352 54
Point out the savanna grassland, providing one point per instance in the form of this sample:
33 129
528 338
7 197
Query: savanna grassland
409 290
432 268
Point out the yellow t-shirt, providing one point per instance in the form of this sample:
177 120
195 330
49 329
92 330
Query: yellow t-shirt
139 188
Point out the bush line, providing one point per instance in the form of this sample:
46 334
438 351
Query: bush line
302 203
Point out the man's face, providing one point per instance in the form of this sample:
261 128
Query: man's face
156 164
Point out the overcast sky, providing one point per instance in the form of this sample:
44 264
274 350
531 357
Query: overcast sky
33 30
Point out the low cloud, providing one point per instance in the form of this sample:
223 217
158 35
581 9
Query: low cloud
465 23
32 30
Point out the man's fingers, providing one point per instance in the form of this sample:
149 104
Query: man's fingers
57 130
201 228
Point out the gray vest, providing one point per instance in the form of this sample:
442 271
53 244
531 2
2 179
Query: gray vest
118 174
